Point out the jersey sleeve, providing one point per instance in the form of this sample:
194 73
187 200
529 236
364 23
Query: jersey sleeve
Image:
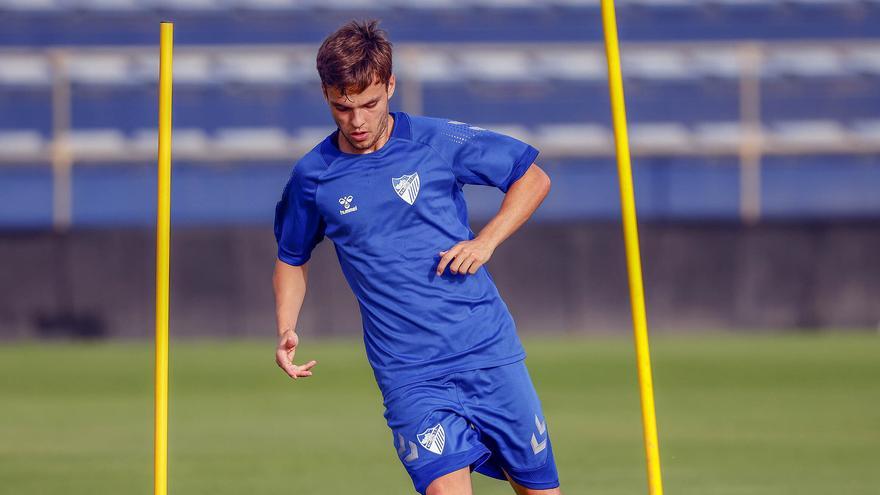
299 226
486 158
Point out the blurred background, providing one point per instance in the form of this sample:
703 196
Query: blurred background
755 130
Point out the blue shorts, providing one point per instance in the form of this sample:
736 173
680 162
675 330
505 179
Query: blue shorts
487 419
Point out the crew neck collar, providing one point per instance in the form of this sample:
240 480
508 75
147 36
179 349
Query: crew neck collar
399 130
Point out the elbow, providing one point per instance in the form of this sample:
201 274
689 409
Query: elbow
545 184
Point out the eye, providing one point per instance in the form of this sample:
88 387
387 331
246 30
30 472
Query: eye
371 105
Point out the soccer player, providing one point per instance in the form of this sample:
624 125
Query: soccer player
387 189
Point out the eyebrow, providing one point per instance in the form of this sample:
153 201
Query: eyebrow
374 100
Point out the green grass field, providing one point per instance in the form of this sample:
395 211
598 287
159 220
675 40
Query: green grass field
794 414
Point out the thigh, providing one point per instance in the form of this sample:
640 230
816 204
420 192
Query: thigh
454 483
430 433
504 407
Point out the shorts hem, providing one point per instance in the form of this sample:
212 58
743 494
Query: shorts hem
534 485
445 465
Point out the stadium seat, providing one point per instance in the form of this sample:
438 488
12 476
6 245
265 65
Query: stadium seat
572 139
97 143
255 67
660 135
575 65
21 144
723 135
256 141
496 65
814 132
24 69
110 68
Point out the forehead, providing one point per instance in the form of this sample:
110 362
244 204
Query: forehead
351 98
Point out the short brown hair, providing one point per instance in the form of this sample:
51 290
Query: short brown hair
356 56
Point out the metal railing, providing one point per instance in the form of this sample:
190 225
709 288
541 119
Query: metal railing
745 138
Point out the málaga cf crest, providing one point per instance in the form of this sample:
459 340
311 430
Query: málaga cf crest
433 439
407 187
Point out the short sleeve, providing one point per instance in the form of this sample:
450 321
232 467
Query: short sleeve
298 224
484 157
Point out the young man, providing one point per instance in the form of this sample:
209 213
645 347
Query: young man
387 189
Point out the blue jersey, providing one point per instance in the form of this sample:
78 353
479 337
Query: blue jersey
389 214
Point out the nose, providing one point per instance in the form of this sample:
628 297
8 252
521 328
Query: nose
358 118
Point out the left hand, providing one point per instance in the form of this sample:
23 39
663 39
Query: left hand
466 257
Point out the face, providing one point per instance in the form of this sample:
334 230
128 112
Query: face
362 118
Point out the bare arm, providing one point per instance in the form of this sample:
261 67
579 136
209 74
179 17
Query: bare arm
289 283
521 200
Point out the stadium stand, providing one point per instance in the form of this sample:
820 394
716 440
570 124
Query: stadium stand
244 107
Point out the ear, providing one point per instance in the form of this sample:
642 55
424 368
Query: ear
391 84
324 91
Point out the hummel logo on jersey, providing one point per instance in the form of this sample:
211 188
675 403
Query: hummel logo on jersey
345 201
407 187
433 439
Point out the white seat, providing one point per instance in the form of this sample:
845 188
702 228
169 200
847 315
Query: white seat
107 5
30 5
428 66
655 64
575 65
427 4
808 133
267 4
496 65
255 67
20 143
715 62
25 69
805 61
253 140
192 5
91 68
662 3
661 135
86 143
573 138
718 134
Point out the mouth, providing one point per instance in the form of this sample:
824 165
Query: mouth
360 136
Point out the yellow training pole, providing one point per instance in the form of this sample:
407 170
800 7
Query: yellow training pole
633 258
163 237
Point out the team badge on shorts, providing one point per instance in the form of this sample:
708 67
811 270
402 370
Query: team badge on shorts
407 186
433 439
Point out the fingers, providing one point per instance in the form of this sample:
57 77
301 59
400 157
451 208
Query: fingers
284 356
283 362
303 371
292 370
446 257
472 269
463 267
306 367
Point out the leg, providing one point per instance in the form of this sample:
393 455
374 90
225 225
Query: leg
454 483
433 440
521 490
502 404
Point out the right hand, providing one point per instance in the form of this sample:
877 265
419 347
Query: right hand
284 356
